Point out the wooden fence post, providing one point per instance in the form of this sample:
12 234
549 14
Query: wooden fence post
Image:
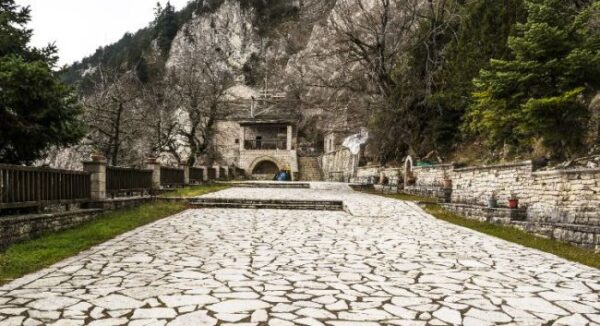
97 168
152 164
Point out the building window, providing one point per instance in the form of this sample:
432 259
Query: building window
237 141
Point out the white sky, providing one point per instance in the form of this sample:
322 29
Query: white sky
79 27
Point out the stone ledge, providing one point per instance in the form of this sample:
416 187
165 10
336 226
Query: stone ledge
495 166
17 228
119 202
575 234
565 172
437 166
443 195
498 215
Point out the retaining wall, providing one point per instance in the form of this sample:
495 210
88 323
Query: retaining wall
432 176
560 204
475 185
17 228
339 165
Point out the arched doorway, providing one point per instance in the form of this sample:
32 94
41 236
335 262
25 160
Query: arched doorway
409 178
265 170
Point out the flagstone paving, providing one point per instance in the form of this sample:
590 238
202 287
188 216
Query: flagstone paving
381 262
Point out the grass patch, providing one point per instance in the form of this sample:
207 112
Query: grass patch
199 190
32 255
567 251
406 197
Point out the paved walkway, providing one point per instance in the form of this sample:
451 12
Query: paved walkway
386 262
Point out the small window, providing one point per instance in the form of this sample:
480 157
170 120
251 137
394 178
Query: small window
237 141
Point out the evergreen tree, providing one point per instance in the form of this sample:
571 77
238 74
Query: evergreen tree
37 111
482 34
165 27
540 94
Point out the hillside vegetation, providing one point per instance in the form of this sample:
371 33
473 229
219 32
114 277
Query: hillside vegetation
476 80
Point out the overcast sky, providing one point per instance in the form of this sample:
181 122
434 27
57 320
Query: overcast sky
79 27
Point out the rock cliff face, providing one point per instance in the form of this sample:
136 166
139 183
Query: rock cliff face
255 51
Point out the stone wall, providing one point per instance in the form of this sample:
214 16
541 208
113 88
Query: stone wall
475 185
377 174
432 176
339 165
565 196
559 204
18 228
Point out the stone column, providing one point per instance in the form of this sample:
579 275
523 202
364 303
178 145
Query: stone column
205 173
242 138
290 132
186 172
217 172
97 168
152 164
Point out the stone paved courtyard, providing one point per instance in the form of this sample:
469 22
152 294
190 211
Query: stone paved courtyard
381 262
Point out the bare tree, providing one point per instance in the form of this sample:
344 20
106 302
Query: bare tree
161 102
347 72
112 113
200 82
372 34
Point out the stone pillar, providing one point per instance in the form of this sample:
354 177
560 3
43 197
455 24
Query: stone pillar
97 168
227 176
217 172
242 137
152 164
186 172
290 132
205 173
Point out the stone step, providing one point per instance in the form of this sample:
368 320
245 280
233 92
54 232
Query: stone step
267 204
272 185
267 201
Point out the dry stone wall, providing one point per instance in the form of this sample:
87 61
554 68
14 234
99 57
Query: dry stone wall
432 176
567 196
559 204
475 185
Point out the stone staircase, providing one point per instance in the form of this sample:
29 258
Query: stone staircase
325 205
309 169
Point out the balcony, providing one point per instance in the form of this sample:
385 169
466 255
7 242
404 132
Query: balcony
265 144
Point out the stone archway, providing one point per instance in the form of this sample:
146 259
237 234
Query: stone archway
408 166
408 171
264 168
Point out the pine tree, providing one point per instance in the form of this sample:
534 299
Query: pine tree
165 27
37 111
540 94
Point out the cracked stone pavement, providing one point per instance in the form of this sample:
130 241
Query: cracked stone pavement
382 262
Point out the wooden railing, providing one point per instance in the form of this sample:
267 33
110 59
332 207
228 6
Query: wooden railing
265 144
123 180
30 187
196 175
171 177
